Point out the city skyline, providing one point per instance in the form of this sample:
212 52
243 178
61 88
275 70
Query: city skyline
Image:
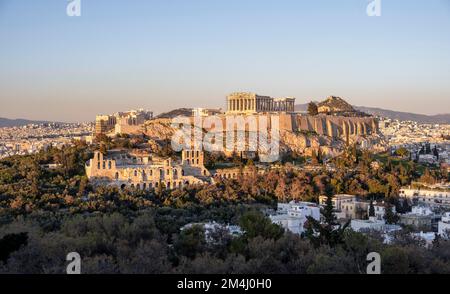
160 56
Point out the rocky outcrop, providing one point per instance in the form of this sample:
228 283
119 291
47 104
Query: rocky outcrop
334 104
307 142
159 129
176 112
300 133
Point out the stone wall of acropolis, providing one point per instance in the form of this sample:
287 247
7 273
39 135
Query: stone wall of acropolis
337 126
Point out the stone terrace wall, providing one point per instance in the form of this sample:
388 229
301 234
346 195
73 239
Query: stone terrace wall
327 125
337 126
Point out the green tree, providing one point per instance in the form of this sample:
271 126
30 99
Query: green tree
254 223
427 177
329 232
10 243
371 209
402 152
103 149
312 108
191 241
389 215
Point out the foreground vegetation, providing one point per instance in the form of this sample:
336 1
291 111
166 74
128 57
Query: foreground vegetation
46 213
148 243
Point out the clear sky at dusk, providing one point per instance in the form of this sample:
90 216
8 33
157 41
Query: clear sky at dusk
164 54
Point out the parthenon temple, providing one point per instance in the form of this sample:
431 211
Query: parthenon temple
248 103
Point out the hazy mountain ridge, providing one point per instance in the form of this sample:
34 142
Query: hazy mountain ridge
421 118
7 122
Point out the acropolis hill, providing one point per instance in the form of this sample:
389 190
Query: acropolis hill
337 124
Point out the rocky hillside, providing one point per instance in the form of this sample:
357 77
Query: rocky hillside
161 132
334 104
159 129
176 112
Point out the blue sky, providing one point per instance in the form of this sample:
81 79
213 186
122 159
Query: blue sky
163 54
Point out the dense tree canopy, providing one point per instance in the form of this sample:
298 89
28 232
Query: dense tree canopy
134 231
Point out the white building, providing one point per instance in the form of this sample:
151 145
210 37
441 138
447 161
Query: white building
347 206
380 210
371 224
293 215
444 225
422 210
428 237
433 197
338 200
427 158
204 112
212 227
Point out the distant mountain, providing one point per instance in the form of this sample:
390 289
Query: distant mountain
6 122
175 113
420 118
303 107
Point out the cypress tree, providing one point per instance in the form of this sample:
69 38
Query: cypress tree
371 209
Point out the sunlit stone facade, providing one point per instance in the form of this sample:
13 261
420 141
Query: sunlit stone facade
250 103
143 171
